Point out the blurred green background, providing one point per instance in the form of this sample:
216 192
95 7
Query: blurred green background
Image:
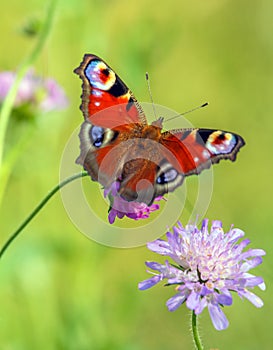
60 290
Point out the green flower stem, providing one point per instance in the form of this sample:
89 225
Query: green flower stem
9 101
195 334
39 207
12 157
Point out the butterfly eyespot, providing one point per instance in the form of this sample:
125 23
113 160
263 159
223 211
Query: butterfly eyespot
99 75
105 71
97 136
220 142
167 176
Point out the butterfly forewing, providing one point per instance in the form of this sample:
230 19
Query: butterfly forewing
106 100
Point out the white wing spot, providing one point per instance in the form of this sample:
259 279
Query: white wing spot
206 154
96 93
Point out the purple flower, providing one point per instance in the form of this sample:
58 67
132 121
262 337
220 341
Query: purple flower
119 207
42 94
208 267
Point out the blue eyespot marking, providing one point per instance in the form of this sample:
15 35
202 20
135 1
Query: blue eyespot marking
97 136
99 75
167 176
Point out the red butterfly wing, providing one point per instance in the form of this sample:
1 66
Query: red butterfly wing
102 89
197 149
177 153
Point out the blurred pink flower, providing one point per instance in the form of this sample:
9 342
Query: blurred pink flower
43 94
55 96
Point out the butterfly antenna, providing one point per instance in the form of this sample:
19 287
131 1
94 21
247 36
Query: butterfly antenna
150 92
189 111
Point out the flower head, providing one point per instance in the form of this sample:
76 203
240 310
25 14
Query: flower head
41 94
119 207
207 267
54 96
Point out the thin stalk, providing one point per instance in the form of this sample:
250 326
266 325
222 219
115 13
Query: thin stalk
38 208
11 158
195 333
9 100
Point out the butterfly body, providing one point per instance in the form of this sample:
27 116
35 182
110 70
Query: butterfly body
118 145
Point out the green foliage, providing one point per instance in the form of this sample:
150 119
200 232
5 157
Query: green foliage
61 290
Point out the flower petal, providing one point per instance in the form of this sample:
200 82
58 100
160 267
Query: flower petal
250 264
155 266
201 305
252 253
112 216
149 282
262 286
204 227
224 299
235 234
217 316
193 300
160 247
241 245
253 281
254 299
174 302
216 224
120 207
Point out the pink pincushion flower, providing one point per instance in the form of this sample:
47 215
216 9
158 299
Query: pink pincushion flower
55 98
42 94
208 267
120 207
26 89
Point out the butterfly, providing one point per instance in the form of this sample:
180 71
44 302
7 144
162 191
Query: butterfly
119 146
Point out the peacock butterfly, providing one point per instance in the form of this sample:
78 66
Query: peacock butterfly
119 146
